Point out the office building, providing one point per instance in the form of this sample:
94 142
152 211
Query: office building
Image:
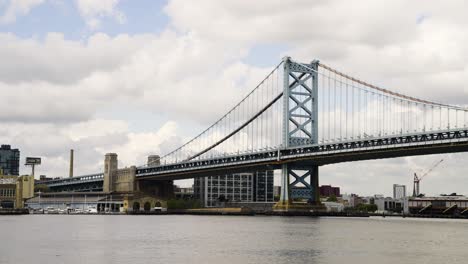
236 188
399 191
9 160
389 205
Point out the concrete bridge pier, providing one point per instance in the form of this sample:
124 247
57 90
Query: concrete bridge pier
160 189
124 180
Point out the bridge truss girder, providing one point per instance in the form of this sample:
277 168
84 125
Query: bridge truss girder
300 116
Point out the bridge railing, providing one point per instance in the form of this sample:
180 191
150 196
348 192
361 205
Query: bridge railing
75 180
412 140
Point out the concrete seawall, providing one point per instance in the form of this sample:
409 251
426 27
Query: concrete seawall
4 211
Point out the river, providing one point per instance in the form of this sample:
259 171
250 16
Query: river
74 239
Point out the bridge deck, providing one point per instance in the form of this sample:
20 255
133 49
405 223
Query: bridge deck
379 148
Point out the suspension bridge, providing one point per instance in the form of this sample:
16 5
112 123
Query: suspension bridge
305 115
299 117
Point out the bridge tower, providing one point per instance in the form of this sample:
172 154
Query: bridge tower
110 167
300 121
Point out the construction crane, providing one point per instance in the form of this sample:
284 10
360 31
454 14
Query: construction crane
418 179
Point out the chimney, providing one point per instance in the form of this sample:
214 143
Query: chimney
71 163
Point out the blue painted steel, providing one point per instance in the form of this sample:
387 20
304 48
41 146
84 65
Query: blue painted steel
300 116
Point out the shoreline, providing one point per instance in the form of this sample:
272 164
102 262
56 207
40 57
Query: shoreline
240 212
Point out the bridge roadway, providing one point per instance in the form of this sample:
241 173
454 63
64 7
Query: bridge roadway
448 141
91 182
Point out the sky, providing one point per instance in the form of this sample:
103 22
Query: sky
141 77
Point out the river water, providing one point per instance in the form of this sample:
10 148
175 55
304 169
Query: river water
74 239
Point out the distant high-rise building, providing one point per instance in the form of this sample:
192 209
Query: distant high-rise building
9 160
399 191
238 188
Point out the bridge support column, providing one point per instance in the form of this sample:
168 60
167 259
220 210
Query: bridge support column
284 196
300 127
305 185
314 182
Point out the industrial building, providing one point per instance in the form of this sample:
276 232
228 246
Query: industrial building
236 188
15 189
442 205
9 160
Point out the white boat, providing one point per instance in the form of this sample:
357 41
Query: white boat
92 210
159 209
51 210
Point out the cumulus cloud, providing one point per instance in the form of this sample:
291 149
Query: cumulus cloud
93 11
53 88
383 42
15 8
91 140
66 80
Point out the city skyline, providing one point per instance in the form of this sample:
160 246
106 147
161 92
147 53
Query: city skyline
89 77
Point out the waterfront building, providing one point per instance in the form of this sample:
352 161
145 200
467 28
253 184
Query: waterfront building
448 205
399 191
24 189
183 192
235 188
354 200
77 202
328 190
389 204
9 160
7 191
333 206
44 178
15 189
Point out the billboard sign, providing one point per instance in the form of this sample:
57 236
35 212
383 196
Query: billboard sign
33 161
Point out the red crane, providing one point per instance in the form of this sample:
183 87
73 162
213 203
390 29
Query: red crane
418 179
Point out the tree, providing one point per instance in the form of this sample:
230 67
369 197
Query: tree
366 208
147 206
332 198
41 188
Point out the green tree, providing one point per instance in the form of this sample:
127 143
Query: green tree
183 204
366 208
147 206
41 188
332 198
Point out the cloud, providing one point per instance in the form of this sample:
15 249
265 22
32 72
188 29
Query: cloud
17 8
69 81
93 11
91 141
358 37
55 90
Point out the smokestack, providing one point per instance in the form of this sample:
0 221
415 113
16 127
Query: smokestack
71 163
